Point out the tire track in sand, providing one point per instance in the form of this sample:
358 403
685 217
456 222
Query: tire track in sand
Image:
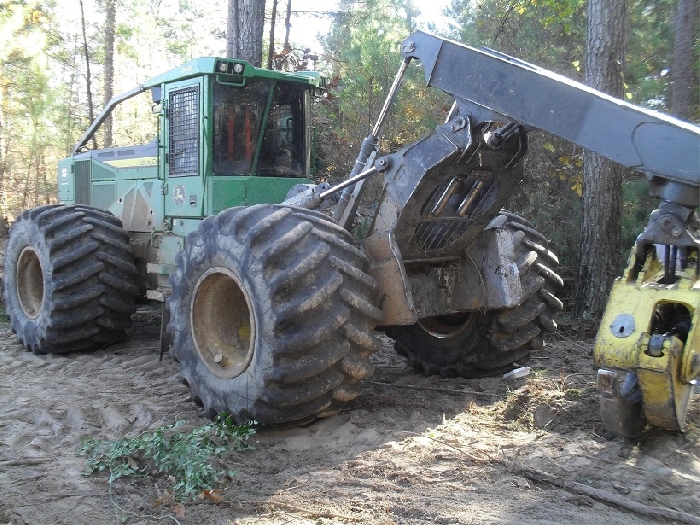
49 404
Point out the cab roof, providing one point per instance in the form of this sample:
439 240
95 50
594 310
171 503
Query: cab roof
234 71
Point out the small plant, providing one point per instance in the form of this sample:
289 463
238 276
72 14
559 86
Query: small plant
3 316
186 456
573 393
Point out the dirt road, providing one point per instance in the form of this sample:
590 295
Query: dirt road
411 449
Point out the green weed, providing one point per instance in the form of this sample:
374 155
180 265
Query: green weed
185 456
4 318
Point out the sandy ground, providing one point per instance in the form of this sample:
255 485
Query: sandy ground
411 449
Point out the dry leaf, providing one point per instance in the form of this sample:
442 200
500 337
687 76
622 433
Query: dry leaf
212 495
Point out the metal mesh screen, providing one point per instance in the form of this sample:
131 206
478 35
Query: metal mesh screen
183 158
82 182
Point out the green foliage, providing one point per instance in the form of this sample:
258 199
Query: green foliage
362 53
170 451
550 197
550 33
43 95
650 52
637 205
29 108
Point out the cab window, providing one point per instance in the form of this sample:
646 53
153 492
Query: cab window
283 152
238 115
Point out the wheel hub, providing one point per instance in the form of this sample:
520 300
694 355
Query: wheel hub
223 324
30 283
446 326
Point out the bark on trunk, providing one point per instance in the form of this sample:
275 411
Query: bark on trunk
602 179
288 24
271 48
88 77
246 19
110 30
684 98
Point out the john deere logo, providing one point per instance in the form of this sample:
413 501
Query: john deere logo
179 195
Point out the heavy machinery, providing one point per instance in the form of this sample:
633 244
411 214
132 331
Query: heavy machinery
271 304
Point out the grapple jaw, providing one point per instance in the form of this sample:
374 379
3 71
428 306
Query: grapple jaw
441 192
438 196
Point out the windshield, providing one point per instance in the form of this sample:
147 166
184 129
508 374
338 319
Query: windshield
238 119
238 113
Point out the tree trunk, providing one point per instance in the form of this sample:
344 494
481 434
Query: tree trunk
685 79
25 189
4 148
246 19
110 30
47 194
602 179
37 179
271 48
232 49
288 25
88 79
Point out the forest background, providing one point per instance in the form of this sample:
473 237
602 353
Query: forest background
56 56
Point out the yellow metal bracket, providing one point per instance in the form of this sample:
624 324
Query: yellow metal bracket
627 342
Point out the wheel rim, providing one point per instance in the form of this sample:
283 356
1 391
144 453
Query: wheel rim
30 283
447 326
223 325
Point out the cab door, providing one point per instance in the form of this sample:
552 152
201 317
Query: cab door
184 152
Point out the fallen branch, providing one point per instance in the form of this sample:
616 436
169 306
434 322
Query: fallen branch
575 375
446 390
604 496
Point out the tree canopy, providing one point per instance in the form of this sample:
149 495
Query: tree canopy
46 90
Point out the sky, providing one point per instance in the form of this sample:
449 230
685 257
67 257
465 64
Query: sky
306 25
307 21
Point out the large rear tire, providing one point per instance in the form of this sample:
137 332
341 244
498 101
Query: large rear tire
272 315
69 278
478 344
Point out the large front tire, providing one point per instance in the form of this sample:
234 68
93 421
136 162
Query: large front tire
272 315
478 344
69 278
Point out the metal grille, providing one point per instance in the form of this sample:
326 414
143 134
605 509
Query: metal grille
452 208
183 158
438 234
82 182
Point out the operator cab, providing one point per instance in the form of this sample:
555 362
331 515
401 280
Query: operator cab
229 134
246 118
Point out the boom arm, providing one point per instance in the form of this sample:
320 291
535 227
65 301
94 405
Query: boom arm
639 139
648 344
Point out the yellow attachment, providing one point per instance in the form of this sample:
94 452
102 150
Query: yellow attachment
663 365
